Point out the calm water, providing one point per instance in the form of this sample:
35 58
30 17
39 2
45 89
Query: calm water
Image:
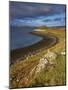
20 37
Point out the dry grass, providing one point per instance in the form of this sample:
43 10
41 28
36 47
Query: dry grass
50 76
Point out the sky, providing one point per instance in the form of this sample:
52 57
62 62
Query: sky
36 14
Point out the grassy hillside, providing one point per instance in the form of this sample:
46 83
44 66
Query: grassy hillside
32 72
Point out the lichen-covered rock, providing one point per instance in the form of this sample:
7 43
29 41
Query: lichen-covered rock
63 53
43 61
51 56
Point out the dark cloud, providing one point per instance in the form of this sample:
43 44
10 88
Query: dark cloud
24 9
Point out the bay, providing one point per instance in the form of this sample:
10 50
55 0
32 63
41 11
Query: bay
20 37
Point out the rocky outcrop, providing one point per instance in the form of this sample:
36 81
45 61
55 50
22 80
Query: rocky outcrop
44 61
25 77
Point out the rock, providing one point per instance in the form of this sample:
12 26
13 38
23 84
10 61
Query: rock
51 56
63 53
41 65
44 61
17 80
32 71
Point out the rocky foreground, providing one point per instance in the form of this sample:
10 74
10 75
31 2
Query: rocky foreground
45 68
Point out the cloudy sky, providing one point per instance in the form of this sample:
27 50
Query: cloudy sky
35 14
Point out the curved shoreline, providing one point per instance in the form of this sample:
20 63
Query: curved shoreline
47 41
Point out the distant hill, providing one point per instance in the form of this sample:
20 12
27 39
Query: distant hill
42 27
57 27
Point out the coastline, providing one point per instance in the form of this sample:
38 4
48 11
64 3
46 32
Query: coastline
53 51
47 41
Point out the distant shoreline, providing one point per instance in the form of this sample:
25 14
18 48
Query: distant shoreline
46 42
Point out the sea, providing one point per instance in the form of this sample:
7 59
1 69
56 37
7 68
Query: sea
21 37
